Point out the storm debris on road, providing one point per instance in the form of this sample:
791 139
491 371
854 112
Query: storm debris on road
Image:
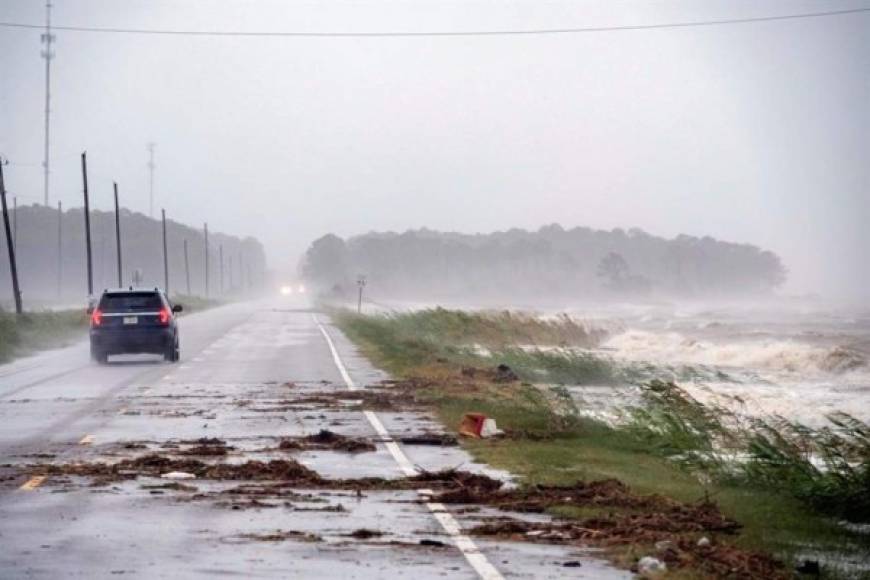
157 465
277 536
623 518
174 486
365 534
437 439
326 440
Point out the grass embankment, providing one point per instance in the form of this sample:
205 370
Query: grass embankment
33 331
671 445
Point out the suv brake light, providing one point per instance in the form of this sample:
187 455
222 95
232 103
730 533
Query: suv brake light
96 317
164 315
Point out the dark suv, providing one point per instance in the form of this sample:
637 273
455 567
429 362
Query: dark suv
135 320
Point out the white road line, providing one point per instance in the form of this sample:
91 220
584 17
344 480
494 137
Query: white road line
465 544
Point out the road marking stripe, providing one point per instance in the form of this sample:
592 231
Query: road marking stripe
32 483
465 544
87 440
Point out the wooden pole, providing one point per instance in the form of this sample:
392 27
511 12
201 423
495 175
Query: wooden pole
13 268
165 254
186 267
118 236
90 260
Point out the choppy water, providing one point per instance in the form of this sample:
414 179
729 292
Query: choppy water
799 363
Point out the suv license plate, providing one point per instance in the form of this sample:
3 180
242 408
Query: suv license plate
131 320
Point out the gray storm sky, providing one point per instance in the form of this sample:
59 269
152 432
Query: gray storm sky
755 132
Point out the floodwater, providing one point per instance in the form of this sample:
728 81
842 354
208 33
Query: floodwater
801 363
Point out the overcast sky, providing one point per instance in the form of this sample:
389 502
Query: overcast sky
754 132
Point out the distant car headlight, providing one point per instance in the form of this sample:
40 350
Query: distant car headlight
301 289
286 290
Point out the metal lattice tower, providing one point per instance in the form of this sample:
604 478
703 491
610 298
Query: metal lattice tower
48 55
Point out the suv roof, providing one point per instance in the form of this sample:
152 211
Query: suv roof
132 289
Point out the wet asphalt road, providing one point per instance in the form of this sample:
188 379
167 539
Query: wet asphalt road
232 381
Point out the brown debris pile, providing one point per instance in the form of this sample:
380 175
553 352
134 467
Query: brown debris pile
500 374
452 479
281 536
365 534
601 493
723 561
326 439
626 519
206 447
426 438
155 465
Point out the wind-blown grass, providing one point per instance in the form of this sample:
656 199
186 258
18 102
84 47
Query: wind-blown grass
406 340
827 468
32 331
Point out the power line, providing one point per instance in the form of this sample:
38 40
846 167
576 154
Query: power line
520 32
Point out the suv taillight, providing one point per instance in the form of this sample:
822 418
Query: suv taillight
96 317
164 315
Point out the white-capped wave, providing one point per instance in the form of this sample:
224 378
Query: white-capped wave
767 355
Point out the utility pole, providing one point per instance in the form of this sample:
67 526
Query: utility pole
15 220
59 250
165 254
13 268
118 236
151 167
48 54
230 267
186 267
361 283
241 272
88 228
205 230
221 252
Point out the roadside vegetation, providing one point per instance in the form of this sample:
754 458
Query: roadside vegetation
799 493
33 331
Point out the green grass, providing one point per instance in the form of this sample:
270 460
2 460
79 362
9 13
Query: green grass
548 445
33 331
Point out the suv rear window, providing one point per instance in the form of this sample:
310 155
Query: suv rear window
131 302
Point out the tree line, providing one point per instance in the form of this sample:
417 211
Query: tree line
552 263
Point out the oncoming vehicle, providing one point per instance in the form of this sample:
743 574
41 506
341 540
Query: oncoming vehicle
134 320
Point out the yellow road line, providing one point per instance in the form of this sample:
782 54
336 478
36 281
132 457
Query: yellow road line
32 483
87 440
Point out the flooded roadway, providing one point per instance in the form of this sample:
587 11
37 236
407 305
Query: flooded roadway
248 376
